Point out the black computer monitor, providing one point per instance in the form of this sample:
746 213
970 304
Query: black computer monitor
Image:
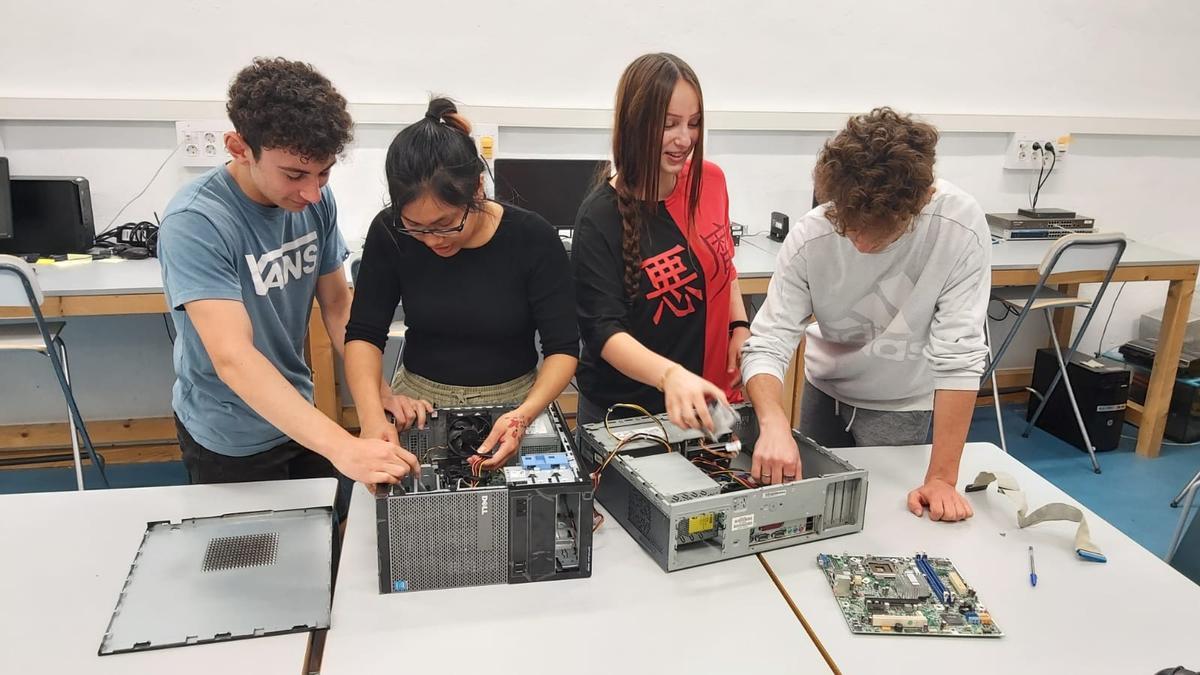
554 188
6 216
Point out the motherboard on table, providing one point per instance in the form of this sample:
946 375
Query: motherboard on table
906 595
458 524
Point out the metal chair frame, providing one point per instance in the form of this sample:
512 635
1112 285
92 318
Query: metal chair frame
56 351
1047 269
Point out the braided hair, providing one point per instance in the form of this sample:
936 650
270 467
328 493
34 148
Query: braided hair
643 95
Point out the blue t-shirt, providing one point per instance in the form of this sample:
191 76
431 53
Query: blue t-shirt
216 243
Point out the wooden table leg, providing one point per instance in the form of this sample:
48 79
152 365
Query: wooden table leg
789 392
1166 360
320 359
795 384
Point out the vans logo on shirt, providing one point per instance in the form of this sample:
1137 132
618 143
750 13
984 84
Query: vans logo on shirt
274 269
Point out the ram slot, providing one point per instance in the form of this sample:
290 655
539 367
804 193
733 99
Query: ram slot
935 584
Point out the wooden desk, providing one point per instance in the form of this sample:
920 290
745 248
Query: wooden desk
107 288
1015 263
122 287
628 617
1133 614
66 556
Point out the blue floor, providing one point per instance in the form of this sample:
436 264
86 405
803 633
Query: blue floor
119 476
1133 493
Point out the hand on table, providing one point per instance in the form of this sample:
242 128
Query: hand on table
944 502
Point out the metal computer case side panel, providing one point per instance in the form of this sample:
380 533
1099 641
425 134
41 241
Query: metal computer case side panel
447 539
228 577
632 507
637 513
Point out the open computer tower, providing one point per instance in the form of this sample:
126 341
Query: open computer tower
532 521
697 503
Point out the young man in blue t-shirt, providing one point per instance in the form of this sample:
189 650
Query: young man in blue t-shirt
245 249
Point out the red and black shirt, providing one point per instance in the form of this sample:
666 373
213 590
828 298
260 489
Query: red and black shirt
681 309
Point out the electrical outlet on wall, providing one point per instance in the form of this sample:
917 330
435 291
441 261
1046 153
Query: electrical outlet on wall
1027 150
203 142
487 140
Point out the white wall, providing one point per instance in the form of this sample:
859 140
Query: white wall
1085 57
1098 59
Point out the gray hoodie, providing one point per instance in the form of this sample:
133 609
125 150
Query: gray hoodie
890 327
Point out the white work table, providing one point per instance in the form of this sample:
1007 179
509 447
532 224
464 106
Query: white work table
1012 255
65 559
114 276
1026 254
753 258
111 276
630 616
1133 614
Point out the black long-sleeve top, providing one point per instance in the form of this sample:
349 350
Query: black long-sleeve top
471 318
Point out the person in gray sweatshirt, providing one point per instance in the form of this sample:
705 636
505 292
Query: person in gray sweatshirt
889 281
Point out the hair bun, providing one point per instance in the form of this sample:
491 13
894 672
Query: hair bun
444 111
440 108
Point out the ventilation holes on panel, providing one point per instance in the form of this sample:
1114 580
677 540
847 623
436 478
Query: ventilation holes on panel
245 550
449 540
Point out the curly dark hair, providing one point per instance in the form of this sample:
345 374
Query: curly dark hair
877 171
287 105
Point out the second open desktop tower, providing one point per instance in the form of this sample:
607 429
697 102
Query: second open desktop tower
684 515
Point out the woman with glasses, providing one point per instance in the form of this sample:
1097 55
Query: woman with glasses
478 280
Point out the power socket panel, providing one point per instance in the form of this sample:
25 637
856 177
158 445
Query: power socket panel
487 140
202 141
1022 154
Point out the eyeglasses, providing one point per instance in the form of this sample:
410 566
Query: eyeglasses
444 232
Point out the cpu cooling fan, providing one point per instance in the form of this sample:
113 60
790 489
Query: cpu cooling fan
464 434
